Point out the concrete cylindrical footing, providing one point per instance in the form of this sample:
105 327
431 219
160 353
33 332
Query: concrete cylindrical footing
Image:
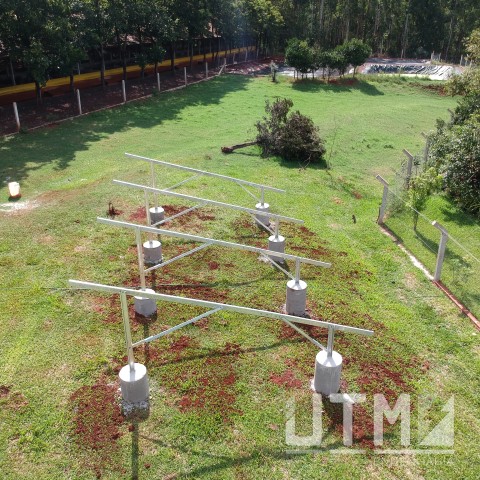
277 244
134 383
157 214
152 252
145 306
328 371
262 221
296 298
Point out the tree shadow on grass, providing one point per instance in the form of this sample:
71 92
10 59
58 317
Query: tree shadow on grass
223 462
21 155
453 214
343 86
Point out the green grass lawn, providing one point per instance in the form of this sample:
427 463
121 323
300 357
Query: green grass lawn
219 390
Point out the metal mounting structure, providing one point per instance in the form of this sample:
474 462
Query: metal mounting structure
214 307
264 214
198 172
206 242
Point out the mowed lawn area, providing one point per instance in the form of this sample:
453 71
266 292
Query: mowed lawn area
220 389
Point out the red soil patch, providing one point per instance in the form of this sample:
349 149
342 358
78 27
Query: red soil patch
4 391
357 195
389 376
343 81
286 379
362 428
180 344
213 265
195 290
97 425
12 400
306 232
202 213
139 215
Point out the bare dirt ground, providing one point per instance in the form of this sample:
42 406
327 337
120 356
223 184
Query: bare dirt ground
58 105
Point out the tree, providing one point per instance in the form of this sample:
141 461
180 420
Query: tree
299 55
473 46
356 53
420 189
338 60
292 136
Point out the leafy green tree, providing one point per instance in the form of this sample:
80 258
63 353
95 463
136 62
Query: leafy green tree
420 189
338 60
299 55
356 53
473 45
98 29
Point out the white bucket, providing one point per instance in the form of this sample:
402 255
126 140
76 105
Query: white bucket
14 189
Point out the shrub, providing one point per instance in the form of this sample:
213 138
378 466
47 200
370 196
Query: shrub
462 173
291 136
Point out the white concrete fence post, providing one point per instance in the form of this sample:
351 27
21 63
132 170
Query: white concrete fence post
158 81
206 69
79 102
409 167
441 250
124 92
383 207
17 118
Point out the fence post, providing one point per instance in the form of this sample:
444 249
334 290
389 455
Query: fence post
206 69
124 93
409 167
17 118
383 207
79 102
185 74
427 147
441 250
158 81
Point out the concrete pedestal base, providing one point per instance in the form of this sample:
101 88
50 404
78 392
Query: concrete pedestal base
277 244
145 306
262 221
157 214
296 298
134 383
328 371
152 252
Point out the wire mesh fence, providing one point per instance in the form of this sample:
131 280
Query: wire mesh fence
460 270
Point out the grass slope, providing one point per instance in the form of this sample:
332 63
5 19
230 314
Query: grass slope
220 388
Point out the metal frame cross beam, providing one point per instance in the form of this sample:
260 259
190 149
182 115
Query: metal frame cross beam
205 242
213 307
238 181
167 192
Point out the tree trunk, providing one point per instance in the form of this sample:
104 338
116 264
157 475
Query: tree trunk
102 68
72 85
38 92
190 52
172 57
12 72
239 145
